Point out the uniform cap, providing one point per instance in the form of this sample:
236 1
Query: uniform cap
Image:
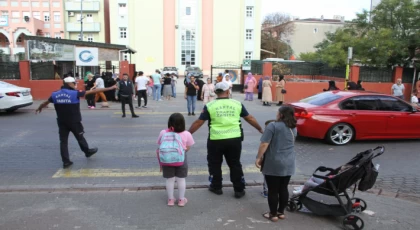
221 87
69 80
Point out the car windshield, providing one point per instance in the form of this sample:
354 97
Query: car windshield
194 69
6 85
321 99
169 68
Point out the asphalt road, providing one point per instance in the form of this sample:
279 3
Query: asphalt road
29 150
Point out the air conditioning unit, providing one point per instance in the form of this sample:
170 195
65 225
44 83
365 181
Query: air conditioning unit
71 14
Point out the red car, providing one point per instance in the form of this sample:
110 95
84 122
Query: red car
342 116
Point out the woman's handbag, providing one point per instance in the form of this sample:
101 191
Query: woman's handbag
283 91
212 94
246 86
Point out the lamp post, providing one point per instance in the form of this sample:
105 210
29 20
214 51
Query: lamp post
349 56
81 20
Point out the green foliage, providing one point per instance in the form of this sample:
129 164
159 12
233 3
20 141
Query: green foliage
389 35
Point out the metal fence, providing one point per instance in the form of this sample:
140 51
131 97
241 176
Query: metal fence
308 69
375 74
9 70
42 71
257 67
408 74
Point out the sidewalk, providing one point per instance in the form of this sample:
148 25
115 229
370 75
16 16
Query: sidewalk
148 210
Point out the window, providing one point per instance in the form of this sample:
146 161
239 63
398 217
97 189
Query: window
122 10
366 103
46 16
248 55
36 15
14 3
57 25
56 4
45 4
5 13
248 34
47 25
47 35
188 11
123 32
57 35
15 14
24 14
35 4
79 37
321 98
3 3
89 18
25 4
57 17
125 57
19 39
393 104
315 30
90 38
249 11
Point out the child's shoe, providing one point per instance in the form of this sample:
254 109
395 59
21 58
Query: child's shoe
171 202
182 202
264 194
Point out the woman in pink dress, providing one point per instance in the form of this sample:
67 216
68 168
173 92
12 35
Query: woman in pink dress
207 94
150 86
250 84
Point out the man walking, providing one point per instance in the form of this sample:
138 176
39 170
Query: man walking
69 119
125 89
100 84
157 86
173 84
397 89
141 85
225 139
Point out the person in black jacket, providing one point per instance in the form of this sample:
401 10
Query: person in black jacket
125 90
89 83
200 89
331 86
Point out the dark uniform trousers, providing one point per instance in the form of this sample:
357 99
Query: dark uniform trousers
231 149
64 128
127 100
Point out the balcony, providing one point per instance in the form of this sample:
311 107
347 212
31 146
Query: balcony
92 6
6 50
87 27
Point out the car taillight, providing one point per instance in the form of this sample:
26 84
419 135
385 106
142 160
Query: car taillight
13 94
304 114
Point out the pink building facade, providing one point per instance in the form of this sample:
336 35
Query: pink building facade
29 17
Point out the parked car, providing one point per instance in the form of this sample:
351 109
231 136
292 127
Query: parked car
342 116
13 97
195 71
170 70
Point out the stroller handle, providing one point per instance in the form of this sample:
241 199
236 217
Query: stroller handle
380 150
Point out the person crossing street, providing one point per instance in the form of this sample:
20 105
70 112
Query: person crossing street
225 138
69 119
125 91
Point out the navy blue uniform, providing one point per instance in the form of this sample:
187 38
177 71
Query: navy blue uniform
69 119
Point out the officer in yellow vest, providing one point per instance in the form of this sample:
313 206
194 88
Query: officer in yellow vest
225 138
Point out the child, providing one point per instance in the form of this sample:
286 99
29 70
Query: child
414 99
264 193
176 123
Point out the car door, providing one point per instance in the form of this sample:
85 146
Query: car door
401 120
363 115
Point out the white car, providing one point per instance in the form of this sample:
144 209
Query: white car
170 70
13 97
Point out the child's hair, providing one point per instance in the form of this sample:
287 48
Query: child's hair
176 122
269 121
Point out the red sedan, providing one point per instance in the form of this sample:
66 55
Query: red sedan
342 116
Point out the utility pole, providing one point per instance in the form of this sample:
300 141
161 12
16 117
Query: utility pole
349 56
81 20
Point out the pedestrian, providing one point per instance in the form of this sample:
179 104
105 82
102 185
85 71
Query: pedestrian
126 92
191 95
280 90
141 86
167 86
351 85
229 82
359 85
397 90
150 87
176 124
200 84
225 138
260 88
90 98
264 193
267 96
207 94
157 86
69 119
276 159
331 86
249 87
173 84
100 84
414 99
219 78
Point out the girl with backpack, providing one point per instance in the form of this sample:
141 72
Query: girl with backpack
174 143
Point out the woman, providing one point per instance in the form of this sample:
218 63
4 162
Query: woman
280 90
89 83
167 87
276 158
359 85
250 84
207 94
227 80
331 86
267 96
260 88
150 87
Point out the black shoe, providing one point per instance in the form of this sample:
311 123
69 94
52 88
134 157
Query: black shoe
193 114
239 194
123 115
189 114
137 107
216 191
134 116
268 104
68 164
144 106
91 152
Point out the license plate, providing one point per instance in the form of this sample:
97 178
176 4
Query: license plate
25 93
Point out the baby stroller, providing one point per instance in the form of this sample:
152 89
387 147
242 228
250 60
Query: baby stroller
334 188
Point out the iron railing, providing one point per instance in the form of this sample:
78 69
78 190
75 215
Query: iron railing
9 70
42 71
375 74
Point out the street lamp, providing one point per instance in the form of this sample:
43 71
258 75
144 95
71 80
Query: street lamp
81 20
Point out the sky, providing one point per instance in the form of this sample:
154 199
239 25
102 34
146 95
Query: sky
315 8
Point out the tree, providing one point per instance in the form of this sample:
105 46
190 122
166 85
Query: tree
276 31
389 35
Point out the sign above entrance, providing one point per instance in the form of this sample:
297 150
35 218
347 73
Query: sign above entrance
246 64
40 50
86 56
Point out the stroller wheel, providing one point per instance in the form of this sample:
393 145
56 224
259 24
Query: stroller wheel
358 205
353 222
292 206
299 205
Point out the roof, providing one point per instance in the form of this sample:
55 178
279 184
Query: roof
82 43
355 92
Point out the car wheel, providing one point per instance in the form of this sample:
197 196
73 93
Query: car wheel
340 134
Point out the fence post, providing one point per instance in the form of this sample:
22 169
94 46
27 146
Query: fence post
397 74
267 69
354 73
25 73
